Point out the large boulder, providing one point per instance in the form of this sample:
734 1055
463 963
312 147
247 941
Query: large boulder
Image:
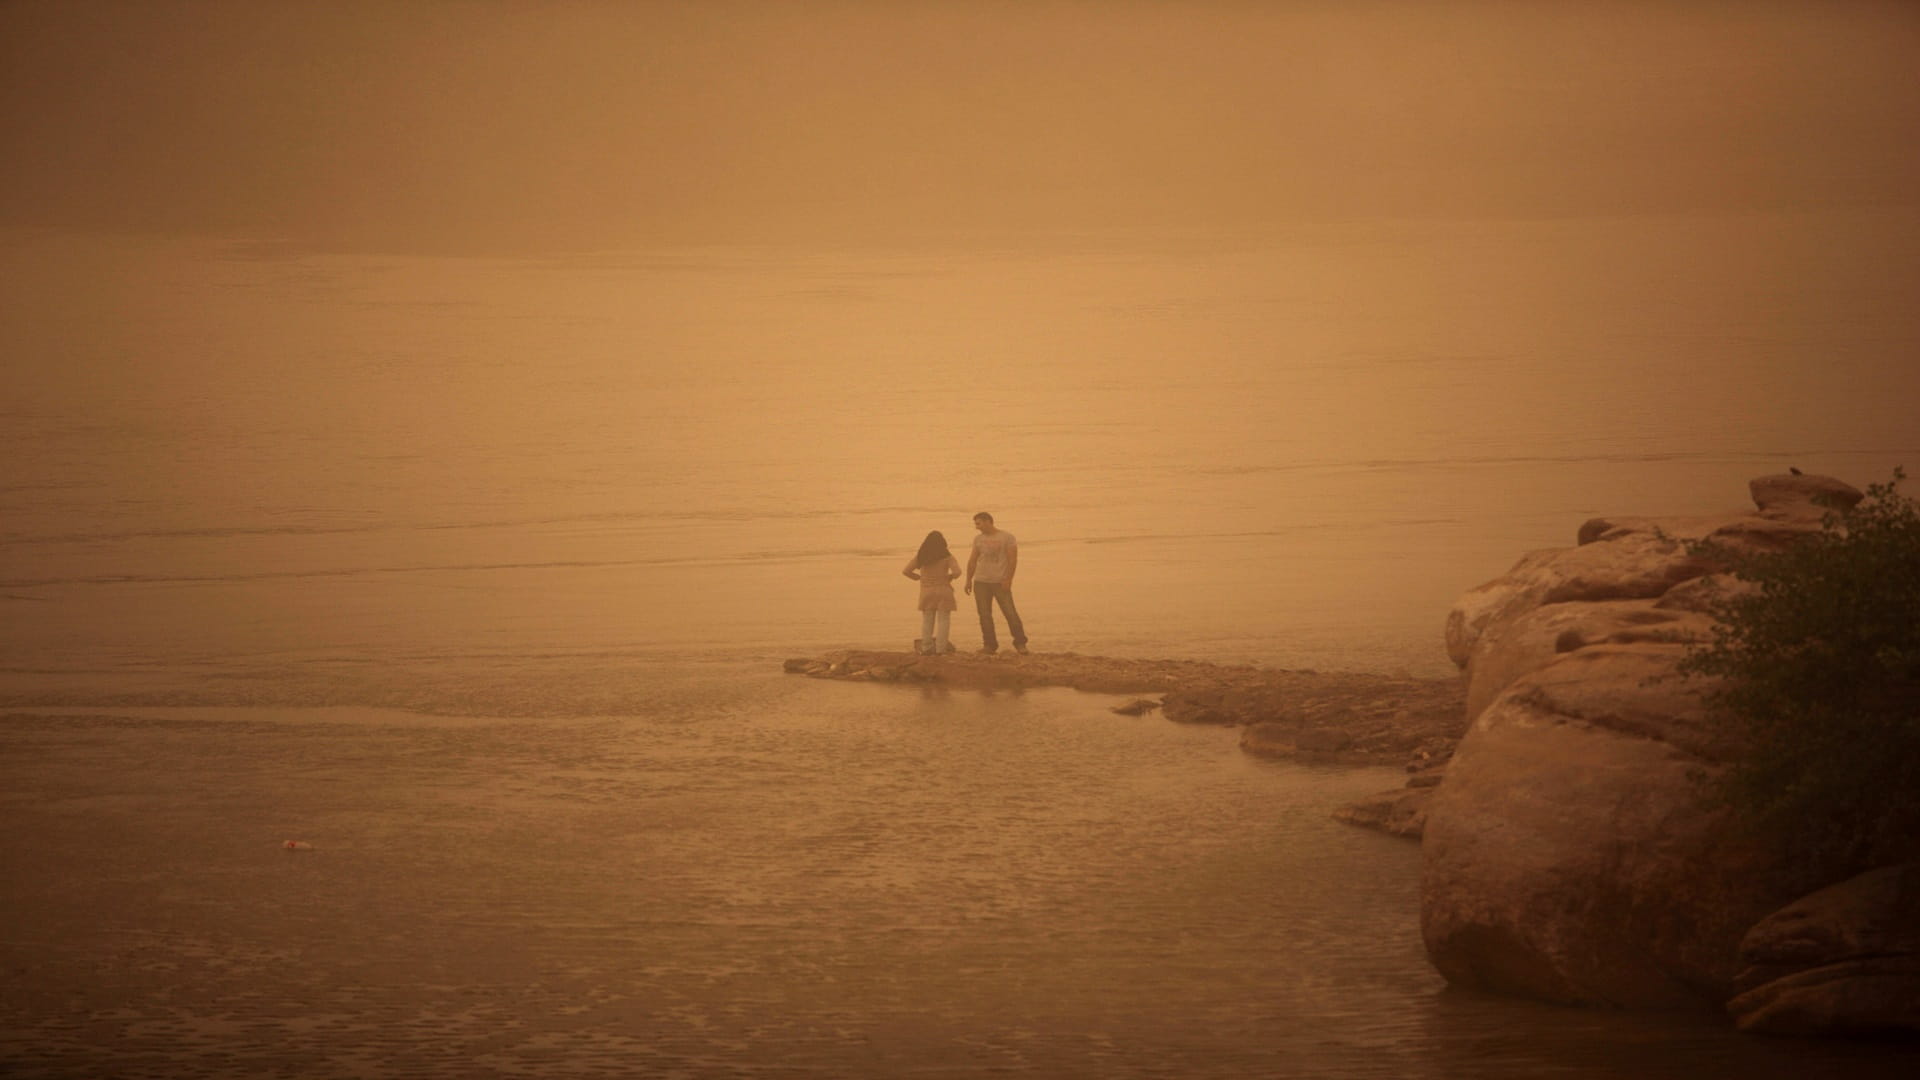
1797 496
1841 961
1629 566
1568 856
1637 558
1539 637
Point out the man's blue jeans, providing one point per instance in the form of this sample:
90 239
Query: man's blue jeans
985 595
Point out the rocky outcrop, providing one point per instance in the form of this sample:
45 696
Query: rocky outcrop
1567 855
1533 639
1347 717
1841 961
1797 497
1641 558
1399 812
1633 565
982 671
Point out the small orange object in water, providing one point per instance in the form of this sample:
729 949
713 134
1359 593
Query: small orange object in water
298 845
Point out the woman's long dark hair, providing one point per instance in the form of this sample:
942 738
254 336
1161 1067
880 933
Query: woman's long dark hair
932 550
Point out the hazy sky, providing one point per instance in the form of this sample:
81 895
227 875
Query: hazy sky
515 122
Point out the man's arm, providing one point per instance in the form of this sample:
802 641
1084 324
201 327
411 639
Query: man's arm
971 561
1013 561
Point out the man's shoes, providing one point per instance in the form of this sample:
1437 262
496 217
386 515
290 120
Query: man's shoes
1021 649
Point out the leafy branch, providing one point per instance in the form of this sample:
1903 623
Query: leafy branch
1818 662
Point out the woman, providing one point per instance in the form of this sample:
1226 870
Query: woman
934 567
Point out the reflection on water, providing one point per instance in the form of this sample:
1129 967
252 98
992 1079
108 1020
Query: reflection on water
780 877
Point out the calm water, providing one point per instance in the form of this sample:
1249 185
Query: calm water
477 573
765 877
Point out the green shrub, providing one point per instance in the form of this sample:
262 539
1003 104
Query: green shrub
1819 662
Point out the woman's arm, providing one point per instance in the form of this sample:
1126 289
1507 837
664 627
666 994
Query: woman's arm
909 569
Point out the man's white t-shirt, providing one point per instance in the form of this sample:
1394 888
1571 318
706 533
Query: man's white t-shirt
996 553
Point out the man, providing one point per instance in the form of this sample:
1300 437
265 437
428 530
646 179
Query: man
995 557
